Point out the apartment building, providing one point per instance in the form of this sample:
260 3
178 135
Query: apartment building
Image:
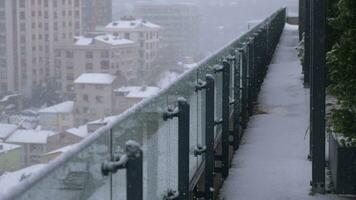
103 53
33 143
96 13
58 117
29 29
180 28
94 96
144 33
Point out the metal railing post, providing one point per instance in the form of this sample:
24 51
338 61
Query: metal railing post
209 87
250 75
183 149
237 101
225 118
318 65
307 43
132 161
244 89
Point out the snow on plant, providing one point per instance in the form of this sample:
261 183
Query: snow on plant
341 61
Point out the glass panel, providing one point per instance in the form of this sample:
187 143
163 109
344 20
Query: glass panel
79 178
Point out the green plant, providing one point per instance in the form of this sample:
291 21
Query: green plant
341 61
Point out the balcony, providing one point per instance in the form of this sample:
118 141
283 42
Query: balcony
185 141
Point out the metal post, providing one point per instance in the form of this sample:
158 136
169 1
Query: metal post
183 149
225 117
237 104
132 162
307 43
318 64
244 97
301 18
250 75
209 137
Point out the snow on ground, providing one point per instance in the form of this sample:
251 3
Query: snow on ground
271 163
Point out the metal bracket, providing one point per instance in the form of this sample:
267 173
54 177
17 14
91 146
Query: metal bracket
132 151
199 150
170 114
171 195
200 85
218 122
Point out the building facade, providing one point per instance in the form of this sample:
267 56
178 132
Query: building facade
58 117
94 96
144 33
96 13
180 28
103 53
29 29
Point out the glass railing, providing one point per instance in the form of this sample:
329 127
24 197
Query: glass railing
175 139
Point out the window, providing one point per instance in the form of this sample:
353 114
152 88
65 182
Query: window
89 54
105 54
69 54
85 98
105 64
89 66
99 99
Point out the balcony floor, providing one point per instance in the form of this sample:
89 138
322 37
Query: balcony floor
271 163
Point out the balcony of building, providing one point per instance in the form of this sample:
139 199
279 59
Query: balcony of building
233 127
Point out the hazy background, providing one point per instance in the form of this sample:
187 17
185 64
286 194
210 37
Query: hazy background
221 20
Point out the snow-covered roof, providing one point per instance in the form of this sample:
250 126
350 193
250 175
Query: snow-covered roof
7 97
6 130
137 91
80 131
4 147
95 78
29 136
131 24
105 38
64 107
11 179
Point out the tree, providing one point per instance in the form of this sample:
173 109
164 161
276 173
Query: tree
341 62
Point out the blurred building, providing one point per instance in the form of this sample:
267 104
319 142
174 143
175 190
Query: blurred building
10 157
58 117
144 33
33 143
96 13
180 28
94 96
126 97
28 32
104 53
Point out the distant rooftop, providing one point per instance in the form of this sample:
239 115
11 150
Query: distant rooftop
105 38
64 107
137 91
95 78
29 136
4 147
131 23
80 131
6 130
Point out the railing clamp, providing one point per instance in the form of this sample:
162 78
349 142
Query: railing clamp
171 195
218 68
232 101
170 113
132 151
200 85
218 122
199 150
